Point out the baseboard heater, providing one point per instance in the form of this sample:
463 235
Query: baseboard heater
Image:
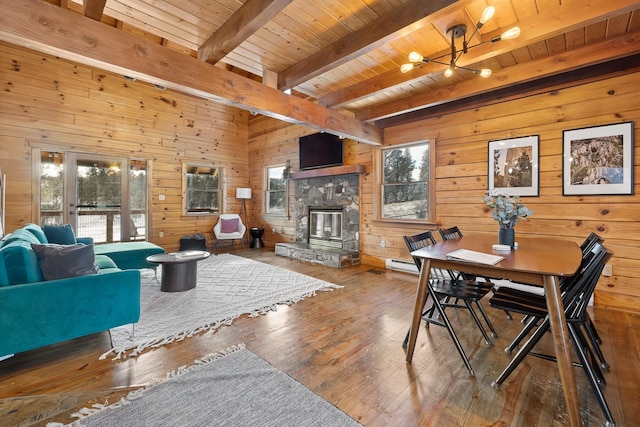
400 265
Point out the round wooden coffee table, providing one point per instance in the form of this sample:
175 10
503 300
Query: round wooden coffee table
179 269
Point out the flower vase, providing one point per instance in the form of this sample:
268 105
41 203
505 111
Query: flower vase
507 236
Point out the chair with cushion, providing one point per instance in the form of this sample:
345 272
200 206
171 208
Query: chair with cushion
442 288
229 227
575 299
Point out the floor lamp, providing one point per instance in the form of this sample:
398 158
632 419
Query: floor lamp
244 194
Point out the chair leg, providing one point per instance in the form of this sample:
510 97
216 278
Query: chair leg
486 319
522 353
454 337
521 335
595 345
476 319
591 376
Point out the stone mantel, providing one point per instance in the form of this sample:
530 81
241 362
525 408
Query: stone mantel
330 171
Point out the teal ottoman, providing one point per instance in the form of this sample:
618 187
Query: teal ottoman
129 255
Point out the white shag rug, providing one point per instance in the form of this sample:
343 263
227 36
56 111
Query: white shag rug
228 286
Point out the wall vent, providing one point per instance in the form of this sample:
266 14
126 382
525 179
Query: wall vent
400 265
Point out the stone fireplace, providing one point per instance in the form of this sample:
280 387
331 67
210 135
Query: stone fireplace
327 203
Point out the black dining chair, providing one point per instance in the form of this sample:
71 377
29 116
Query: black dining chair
504 294
452 233
442 288
576 295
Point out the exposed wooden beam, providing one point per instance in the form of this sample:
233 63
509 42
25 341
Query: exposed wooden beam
50 29
251 16
576 14
93 9
403 20
607 50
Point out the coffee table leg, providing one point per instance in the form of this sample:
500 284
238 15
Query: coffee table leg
178 277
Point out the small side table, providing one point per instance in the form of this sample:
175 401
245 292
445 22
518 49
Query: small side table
256 234
179 269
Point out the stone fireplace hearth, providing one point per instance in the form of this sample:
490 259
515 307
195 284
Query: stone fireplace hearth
327 217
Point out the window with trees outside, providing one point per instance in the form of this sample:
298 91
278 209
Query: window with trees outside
202 189
404 190
276 195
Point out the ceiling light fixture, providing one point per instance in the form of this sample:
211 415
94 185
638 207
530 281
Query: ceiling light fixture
455 32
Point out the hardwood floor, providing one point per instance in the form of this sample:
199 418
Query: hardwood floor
345 345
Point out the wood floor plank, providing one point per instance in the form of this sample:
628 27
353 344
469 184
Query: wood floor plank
345 345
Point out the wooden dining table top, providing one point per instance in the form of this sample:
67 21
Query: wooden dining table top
534 257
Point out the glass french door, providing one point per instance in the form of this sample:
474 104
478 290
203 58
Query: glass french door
103 197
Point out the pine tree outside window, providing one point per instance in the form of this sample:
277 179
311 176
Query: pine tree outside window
404 187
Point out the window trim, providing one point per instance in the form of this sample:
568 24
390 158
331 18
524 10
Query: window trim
378 166
221 192
267 191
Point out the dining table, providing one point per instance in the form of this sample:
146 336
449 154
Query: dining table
541 261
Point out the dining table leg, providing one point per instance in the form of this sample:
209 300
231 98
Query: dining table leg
421 298
562 345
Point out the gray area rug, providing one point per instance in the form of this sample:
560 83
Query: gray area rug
232 388
228 286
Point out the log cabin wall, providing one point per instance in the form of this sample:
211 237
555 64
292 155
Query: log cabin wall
52 103
461 175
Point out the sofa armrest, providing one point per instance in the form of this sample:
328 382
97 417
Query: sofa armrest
85 240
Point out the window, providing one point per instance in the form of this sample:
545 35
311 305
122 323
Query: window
405 180
276 196
202 189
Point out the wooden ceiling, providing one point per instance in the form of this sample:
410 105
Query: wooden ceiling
344 56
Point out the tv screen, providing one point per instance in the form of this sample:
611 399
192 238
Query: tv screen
320 150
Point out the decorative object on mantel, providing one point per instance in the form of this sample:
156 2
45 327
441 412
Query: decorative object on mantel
507 210
454 32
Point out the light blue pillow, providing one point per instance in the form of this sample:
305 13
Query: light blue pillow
60 234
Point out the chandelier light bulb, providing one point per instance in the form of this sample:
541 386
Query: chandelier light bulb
510 34
405 68
415 57
485 72
487 14
448 72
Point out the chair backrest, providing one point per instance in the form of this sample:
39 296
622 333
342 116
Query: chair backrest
589 242
450 233
419 241
577 297
217 229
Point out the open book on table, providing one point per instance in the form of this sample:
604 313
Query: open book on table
473 256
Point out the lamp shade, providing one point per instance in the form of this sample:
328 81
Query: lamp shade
243 193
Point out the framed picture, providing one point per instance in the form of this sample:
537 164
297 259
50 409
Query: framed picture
513 166
598 160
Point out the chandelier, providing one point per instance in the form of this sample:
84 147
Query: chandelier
455 32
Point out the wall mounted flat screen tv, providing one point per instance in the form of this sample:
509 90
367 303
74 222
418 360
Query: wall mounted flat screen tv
320 150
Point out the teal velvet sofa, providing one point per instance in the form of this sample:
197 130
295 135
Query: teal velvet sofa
35 312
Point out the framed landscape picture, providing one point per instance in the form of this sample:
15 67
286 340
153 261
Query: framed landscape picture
513 166
598 160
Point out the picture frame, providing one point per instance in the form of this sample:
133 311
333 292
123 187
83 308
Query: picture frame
598 160
513 166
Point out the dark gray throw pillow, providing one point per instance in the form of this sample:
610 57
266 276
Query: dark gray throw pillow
62 261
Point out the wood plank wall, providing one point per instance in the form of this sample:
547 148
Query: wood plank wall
57 104
53 103
461 175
